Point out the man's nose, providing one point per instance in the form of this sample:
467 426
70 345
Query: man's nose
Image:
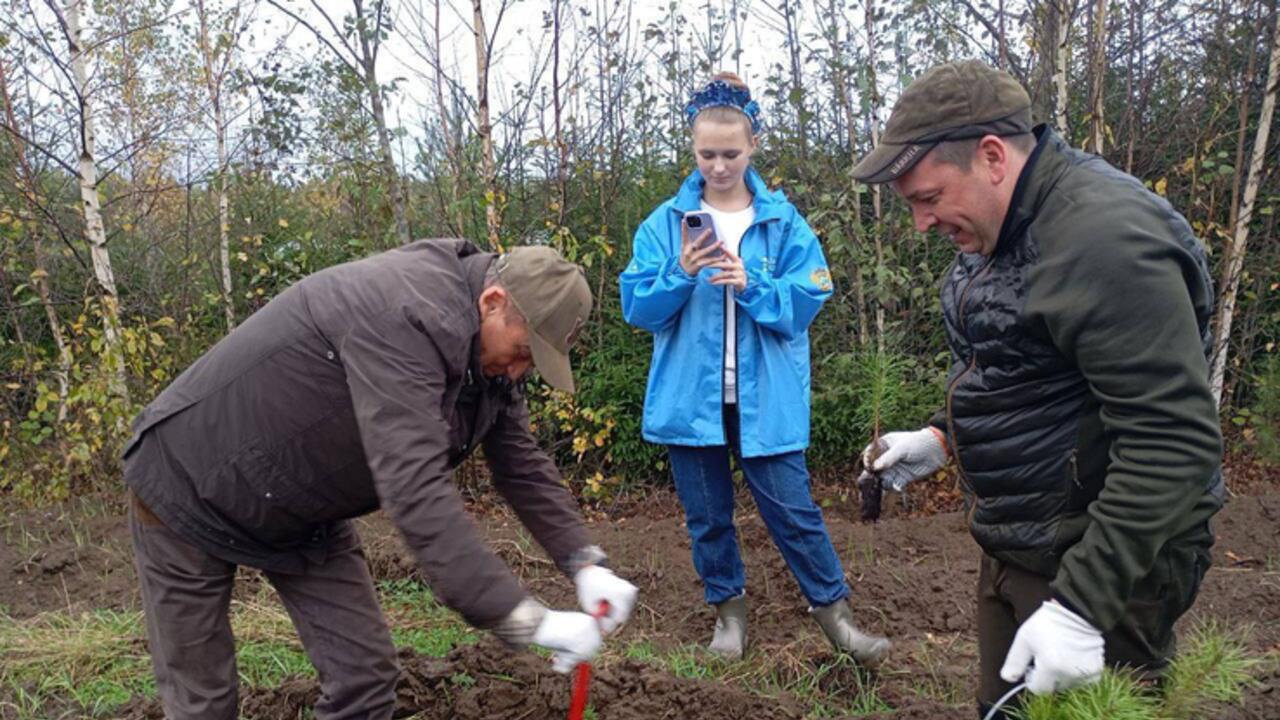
924 220
517 369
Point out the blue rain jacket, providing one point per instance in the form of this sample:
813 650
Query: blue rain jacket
787 282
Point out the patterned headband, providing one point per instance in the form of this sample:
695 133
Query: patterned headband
719 93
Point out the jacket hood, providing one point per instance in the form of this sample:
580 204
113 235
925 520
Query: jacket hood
768 204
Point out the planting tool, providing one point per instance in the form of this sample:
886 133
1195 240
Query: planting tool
582 675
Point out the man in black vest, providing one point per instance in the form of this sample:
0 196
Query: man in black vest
1078 408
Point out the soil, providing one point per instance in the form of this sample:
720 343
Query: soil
913 576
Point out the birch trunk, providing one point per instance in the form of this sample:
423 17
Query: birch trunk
1231 274
1097 122
1062 59
95 233
491 217
213 84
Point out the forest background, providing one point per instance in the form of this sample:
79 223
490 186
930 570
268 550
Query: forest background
168 166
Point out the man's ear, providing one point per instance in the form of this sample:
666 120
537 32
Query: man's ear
993 154
493 299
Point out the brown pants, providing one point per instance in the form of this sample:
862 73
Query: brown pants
1007 595
186 593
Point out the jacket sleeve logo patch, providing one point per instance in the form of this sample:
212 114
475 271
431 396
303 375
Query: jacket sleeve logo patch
821 279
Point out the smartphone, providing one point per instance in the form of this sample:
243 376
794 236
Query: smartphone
698 222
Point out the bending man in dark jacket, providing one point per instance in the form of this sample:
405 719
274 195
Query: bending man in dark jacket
1078 408
360 387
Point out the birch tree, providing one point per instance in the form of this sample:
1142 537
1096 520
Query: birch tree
1062 61
484 126
1240 237
87 177
1098 73
217 54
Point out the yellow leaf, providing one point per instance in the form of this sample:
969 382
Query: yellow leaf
282 223
1161 186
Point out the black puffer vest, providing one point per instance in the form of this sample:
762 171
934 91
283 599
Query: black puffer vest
1019 415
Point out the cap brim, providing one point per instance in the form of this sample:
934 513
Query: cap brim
888 162
552 364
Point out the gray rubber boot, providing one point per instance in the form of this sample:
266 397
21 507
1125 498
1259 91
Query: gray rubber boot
730 640
836 621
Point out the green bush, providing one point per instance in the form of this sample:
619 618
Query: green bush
1264 416
853 390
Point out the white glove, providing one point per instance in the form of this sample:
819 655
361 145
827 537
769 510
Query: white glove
906 456
596 584
574 636
1060 648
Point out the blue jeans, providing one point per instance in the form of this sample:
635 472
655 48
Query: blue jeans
780 485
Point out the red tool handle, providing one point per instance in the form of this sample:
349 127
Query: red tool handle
582 675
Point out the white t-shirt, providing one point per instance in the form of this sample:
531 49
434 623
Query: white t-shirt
730 227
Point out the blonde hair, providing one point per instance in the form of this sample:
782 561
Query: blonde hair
725 114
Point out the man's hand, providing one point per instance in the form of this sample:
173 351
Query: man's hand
596 584
1055 649
574 636
906 456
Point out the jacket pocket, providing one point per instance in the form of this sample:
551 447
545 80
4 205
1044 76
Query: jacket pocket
1073 520
254 494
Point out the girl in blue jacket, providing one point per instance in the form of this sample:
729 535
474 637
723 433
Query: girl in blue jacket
730 368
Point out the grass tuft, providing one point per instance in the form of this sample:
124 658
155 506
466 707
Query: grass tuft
1214 667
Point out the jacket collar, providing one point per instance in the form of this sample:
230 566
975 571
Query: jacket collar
1044 168
769 204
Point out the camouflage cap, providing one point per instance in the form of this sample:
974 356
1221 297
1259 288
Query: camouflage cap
955 101
553 296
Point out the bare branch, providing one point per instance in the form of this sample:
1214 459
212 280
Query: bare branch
316 33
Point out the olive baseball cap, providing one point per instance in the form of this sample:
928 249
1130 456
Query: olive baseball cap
955 101
553 296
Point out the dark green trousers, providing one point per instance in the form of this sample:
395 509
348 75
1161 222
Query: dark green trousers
1142 641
